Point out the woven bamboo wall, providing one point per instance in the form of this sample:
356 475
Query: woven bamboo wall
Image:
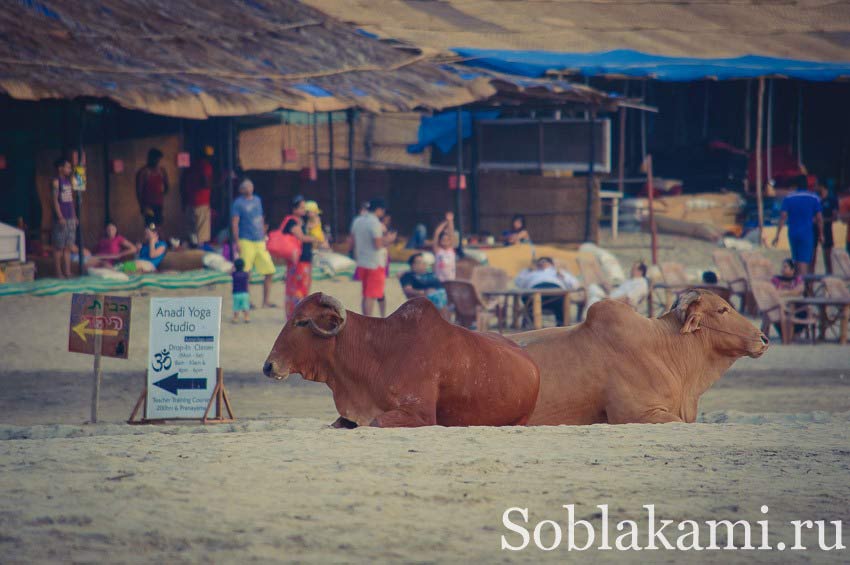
381 138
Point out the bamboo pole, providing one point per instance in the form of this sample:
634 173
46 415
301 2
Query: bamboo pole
458 175
332 179
800 125
653 231
769 142
759 183
97 372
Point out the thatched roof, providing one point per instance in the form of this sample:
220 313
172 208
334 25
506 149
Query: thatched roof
200 58
815 30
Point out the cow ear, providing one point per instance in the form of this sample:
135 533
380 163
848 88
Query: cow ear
692 322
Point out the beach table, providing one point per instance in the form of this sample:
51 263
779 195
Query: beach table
536 294
822 303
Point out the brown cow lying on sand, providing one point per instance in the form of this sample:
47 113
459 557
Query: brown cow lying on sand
410 369
619 367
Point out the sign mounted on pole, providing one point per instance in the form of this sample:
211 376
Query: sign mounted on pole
100 325
96 316
183 357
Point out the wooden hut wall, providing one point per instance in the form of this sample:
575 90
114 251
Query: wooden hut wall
124 206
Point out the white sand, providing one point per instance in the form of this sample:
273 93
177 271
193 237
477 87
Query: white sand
279 486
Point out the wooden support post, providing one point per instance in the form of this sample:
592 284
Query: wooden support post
353 206
759 183
142 403
219 396
458 175
97 373
537 310
769 143
332 179
653 232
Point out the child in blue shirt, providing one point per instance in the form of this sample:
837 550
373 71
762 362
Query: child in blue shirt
241 297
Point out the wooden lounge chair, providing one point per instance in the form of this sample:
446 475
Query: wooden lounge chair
733 273
833 287
464 268
841 264
675 282
774 311
759 268
468 308
492 279
487 279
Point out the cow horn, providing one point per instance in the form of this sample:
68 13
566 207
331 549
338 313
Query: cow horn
683 302
337 306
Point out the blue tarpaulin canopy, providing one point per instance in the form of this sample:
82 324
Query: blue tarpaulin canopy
629 63
441 129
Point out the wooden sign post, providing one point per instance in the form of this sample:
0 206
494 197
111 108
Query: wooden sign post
183 379
99 325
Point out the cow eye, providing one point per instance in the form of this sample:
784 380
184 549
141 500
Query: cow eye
302 323
723 310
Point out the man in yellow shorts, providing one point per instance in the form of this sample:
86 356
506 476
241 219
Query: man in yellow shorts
248 227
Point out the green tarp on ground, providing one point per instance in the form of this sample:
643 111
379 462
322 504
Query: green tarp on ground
186 279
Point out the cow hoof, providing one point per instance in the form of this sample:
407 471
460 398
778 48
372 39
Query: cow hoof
342 423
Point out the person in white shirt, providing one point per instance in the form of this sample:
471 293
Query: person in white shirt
369 240
545 275
632 291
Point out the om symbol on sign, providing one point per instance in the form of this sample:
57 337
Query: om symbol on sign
162 361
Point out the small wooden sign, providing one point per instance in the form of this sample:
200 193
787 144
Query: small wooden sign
99 318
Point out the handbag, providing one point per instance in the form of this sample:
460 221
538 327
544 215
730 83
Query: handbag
284 245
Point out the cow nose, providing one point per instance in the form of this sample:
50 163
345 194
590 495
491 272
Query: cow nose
268 368
764 339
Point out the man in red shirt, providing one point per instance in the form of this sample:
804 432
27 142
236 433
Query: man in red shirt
197 188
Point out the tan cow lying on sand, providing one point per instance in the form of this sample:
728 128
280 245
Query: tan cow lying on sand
619 367
411 369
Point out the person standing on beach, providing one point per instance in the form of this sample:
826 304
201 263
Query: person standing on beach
829 207
151 188
64 217
197 188
367 233
299 273
801 210
248 228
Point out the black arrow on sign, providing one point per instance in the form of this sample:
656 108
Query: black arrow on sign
172 384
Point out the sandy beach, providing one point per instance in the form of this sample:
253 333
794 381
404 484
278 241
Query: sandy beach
280 486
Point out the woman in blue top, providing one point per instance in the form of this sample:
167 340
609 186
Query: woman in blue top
153 250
